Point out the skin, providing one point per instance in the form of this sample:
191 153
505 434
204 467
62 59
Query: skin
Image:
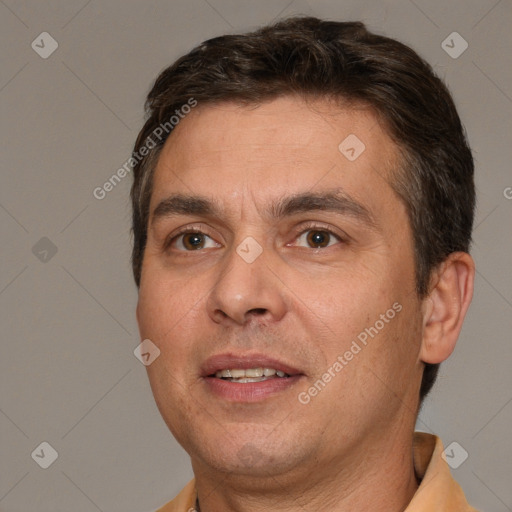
350 447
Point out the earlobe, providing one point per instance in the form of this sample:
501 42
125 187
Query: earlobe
444 309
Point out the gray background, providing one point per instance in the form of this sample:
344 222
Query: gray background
68 373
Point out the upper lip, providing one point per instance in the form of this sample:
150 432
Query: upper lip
232 361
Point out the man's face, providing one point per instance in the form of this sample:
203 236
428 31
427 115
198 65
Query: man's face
269 247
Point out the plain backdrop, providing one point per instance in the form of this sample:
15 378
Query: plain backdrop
68 374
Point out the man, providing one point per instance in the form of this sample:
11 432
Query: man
302 211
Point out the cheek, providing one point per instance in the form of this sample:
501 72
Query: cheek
170 312
151 306
165 310
349 302
373 325
390 357
165 302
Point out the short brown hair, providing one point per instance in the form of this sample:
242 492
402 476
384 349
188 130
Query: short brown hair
344 61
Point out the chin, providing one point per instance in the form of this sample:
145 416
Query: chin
247 456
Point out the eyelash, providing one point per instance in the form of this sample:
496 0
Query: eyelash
304 229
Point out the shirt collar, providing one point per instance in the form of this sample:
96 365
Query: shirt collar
438 490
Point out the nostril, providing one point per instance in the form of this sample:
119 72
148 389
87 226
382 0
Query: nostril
257 311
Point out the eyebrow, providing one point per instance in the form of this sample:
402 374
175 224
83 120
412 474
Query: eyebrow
332 201
335 201
179 204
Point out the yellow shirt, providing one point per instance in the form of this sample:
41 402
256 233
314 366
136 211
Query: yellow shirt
438 491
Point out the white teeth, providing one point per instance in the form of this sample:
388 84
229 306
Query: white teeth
245 380
249 375
254 372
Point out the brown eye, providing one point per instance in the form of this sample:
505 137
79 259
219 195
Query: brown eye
318 239
193 241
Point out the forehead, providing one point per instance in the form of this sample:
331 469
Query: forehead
284 145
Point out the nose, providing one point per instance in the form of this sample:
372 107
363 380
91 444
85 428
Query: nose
247 291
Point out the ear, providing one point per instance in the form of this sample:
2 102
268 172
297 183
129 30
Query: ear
446 305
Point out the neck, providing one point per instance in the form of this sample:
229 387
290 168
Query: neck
380 478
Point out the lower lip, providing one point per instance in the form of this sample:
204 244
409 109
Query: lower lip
249 391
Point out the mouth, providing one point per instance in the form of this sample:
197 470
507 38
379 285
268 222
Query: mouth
248 378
